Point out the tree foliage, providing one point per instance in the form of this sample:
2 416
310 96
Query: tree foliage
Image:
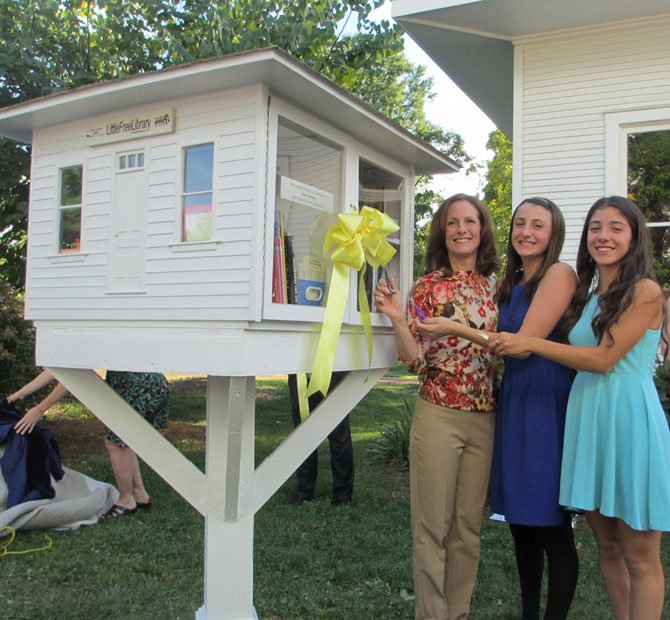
52 45
498 188
17 342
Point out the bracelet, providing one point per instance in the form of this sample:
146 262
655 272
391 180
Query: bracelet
484 335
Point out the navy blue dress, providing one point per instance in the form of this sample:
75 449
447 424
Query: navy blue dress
528 441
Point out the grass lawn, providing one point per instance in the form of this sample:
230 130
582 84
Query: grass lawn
312 561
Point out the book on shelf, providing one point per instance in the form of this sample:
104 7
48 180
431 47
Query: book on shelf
278 263
290 269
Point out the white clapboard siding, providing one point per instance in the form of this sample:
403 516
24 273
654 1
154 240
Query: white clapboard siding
200 282
568 82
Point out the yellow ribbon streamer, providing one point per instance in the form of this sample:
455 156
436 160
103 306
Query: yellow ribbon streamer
360 239
303 402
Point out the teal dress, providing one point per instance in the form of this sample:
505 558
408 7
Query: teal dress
616 453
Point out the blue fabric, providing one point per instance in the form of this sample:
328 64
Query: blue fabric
29 460
617 443
528 439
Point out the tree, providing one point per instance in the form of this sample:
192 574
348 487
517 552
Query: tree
17 342
51 45
498 188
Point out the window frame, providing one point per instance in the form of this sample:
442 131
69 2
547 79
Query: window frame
352 151
62 208
618 126
183 194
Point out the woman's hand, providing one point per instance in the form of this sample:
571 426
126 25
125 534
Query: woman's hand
389 300
18 395
510 345
438 326
28 421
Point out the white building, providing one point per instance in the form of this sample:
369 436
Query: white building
176 224
568 82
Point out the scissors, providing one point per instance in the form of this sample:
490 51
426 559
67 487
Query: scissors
387 279
419 312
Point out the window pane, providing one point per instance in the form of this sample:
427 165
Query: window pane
70 230
140 160
308 184
122 162
381 190
197 214
132 160
198 168
70 186
649 187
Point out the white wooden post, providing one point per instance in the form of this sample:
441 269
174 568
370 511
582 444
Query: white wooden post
229 523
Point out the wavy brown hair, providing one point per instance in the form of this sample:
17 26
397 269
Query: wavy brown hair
437 256
635 266
514 264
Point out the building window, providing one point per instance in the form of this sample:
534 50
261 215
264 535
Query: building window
637 144
130 161
648 184
69 216
197 193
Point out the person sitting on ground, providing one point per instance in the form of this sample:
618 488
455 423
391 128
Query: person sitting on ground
146 392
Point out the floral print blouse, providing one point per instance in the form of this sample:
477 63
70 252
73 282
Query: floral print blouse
455 372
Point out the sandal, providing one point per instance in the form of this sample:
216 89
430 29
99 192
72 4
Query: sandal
144 505
118 511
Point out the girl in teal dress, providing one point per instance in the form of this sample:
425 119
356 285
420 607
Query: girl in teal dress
616 455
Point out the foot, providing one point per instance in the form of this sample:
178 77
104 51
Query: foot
144 503
298 500
341 502
118 511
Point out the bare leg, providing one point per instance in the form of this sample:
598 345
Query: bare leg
139 492
642 554
123 462
612 565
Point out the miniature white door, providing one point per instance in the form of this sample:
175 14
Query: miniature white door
126 257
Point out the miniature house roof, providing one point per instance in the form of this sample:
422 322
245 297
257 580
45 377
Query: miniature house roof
284 75
472 40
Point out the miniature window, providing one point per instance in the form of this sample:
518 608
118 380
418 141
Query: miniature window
197 193
381 190
307 197
69 217
130 161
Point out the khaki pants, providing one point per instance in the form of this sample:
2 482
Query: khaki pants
450 462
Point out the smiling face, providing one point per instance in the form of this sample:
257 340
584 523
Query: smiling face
462 235
609 237
531 231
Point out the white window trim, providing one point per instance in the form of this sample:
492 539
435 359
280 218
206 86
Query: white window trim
618 125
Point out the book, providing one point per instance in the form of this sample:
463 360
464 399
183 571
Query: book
290 270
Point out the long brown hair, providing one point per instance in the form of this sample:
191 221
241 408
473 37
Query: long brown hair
437 256
514 264
634 266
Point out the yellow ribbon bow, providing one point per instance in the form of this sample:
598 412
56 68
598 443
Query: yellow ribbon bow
360 239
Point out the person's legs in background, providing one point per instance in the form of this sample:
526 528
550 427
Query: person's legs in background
341 451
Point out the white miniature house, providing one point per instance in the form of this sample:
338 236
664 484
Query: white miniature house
176 224
570 83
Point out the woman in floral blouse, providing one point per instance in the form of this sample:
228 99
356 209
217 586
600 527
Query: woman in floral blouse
452 428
